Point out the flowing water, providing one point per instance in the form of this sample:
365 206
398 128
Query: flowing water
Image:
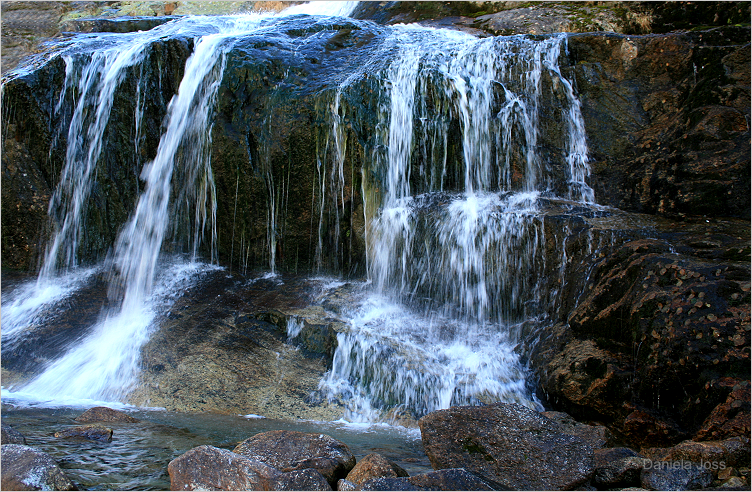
455 245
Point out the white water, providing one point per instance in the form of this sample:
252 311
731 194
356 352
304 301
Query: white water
454 274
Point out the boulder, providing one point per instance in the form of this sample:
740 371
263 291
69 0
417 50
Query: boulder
307 479
344 484
209 468
674 475
293 450
388 483
373 466
507 445
617 468
104 414
597 436
95 432
26 468
11 435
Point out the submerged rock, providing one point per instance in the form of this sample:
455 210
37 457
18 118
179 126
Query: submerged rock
210 468
27 468
508 445
95 432
292 450
105 414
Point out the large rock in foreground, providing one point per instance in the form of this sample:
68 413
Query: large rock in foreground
291 450
508 444
26 468
210 468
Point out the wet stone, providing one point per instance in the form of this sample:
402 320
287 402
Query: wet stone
95 432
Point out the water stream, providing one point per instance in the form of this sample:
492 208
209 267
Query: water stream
455 246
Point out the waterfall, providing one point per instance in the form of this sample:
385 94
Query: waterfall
455 249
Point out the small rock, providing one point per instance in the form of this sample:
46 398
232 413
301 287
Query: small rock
674 475
291 450
95 432
11 436
343 484
210 468
372 466
307 479
104 414
735 483
26 468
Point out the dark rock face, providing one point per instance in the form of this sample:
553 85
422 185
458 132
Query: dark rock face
96 432
447 479
508 445
292 450
210 468
26 468
104 414
11 435
373 466
656 345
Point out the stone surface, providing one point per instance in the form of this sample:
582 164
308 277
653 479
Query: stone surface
11 435
306 479
26 468
617 468
507 445
105 414
95 432
597 436
292 450
449 479
343 484
374 465
211 468
664 475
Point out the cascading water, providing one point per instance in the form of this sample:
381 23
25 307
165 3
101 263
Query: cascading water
451 182
454 273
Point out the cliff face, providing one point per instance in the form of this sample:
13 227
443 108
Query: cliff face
650 330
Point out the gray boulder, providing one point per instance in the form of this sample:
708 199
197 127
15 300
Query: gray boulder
210 468
508 445
291 450
675 475
617 468
26 468
307 479
11 435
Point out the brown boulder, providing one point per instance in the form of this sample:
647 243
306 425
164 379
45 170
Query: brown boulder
95 432
507 445
104 414
26 468
210 468
292 450
729 418
372 466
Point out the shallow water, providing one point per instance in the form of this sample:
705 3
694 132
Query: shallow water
139 453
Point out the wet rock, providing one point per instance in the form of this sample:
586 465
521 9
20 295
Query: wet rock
95 432
11 435
664 475
714 456
735 483
373 466
26 468
306 479
617 468
210 468
655 326
508 445
292 450
119 24
388 483
104 414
